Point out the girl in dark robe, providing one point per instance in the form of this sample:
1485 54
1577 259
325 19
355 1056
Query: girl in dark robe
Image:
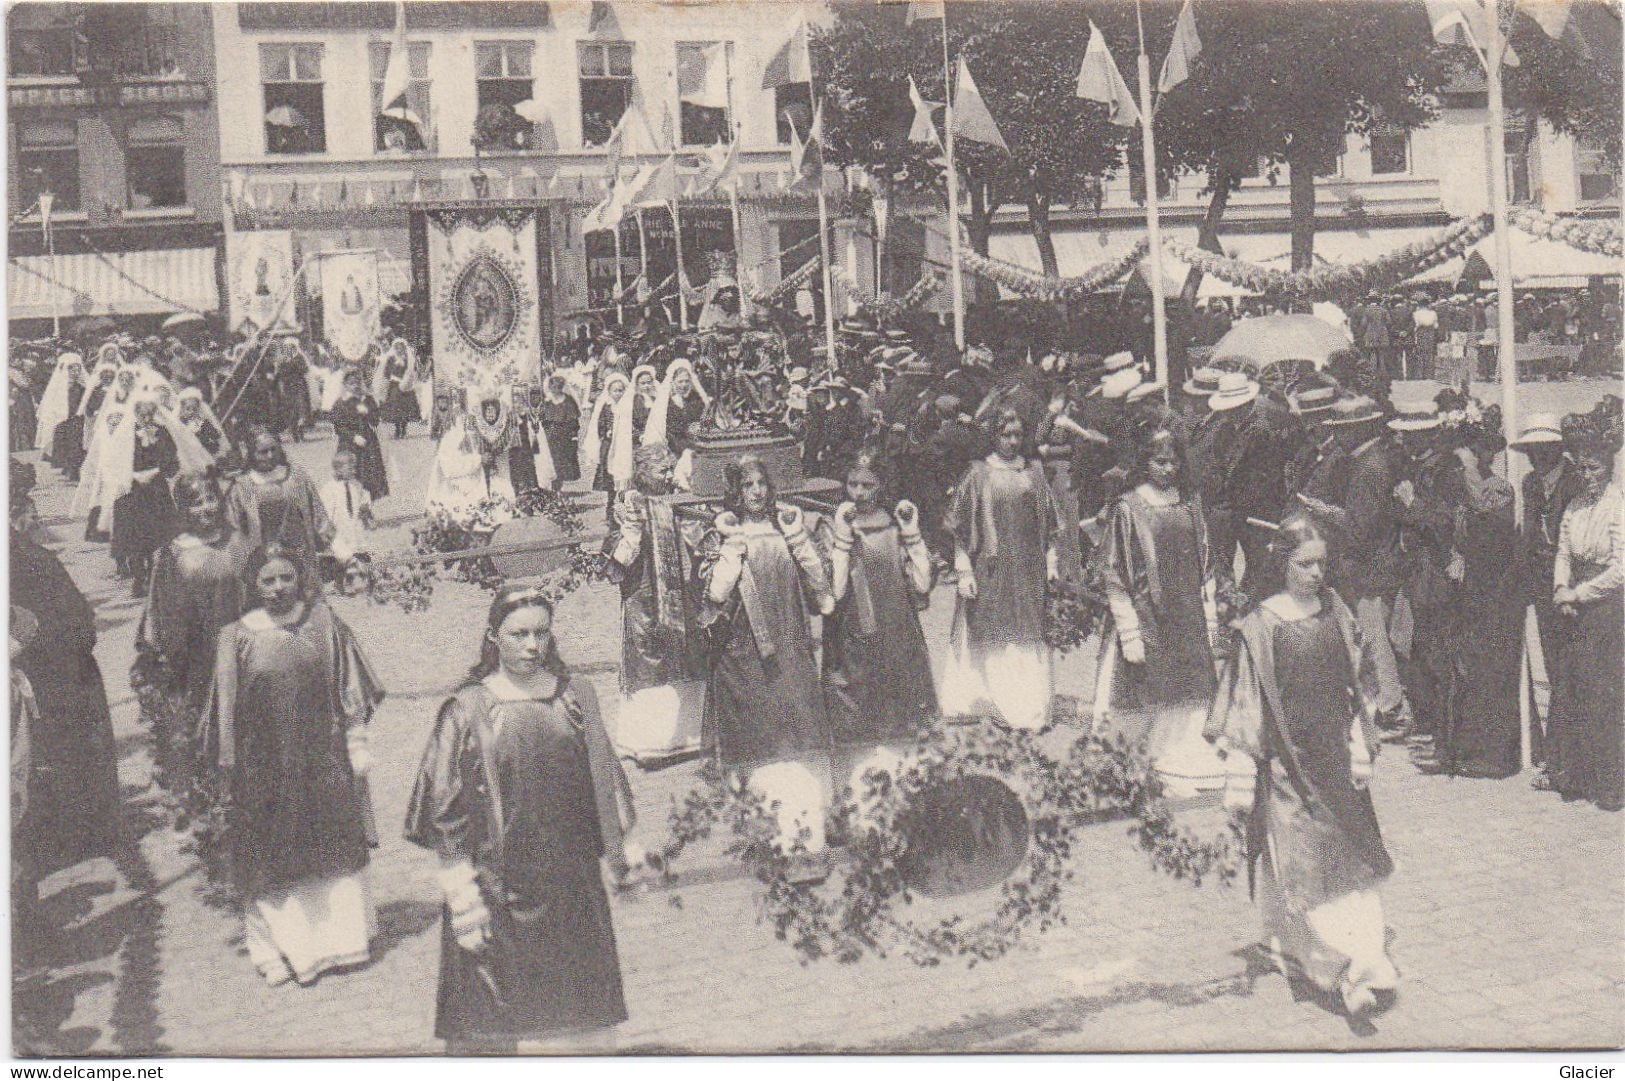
144 516
610 439
764 705
1587 716
520 796
400 403
522 448
560 420
1156 670
877 670
277 501
1004 526
355 425
74 788
285 722
196 589
1294 718
59 430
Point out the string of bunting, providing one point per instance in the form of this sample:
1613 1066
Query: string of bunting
1596 237
1329 282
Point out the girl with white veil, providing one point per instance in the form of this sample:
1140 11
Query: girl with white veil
110 414
56 406
469 468
680 402
610 437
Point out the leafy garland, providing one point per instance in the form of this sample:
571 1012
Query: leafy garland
1596 237
1332 282
860 909
886 308
1032 284
788 284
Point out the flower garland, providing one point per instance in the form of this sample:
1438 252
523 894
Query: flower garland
886 307
788 284
861 908
1030 283
1596 237
1333 282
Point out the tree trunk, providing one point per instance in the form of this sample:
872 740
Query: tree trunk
1301 164
1038 219
1207 238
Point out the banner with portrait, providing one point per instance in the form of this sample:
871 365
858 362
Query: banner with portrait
350 302
260 271
482 273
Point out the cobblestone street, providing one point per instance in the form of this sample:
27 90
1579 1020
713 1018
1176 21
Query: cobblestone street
1506 908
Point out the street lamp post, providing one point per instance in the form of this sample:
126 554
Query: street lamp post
46 200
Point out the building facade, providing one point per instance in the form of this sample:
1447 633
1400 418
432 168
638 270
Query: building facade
111 117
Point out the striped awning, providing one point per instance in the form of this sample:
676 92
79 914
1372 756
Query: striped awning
118 283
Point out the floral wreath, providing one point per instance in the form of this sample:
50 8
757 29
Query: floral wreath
861 909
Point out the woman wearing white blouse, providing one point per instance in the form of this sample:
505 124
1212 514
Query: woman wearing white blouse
1588 714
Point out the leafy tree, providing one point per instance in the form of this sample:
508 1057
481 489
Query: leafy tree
1574 85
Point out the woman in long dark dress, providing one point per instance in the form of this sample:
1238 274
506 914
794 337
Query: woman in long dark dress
286 725
1294 718
610 439
1004 526
276 501
355 425
877 670
560 420
74 791
59 430
196 589
1587 715
764 708
144 516
522 446
520 795
1156 671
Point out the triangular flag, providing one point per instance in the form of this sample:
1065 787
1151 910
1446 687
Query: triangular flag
924 11
719 167
396 71
806 158
1099 80
1588 29
1552 16
1184 50
924 129
787 64
1463 22
972 120
602 23
654 185
702 76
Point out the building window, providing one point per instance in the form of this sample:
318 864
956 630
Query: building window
1330 164
1520 165
396 132
48 160
41 43
137 41
292 79
704 87
1390 149
792 103
155 166
606 88
503 79
1597 177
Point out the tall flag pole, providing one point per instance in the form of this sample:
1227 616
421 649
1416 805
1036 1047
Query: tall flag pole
917 12
832 358
1153 223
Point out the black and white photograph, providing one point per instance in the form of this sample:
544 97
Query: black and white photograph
834 527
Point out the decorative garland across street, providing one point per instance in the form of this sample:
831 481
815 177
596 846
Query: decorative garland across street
1030 283
788 284
862 908
1596 237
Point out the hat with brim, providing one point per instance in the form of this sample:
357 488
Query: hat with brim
1542 428
1203 381
1145 390
1415 417
1235 390
1118 384
1119 361
797 374
1352 410
1313 401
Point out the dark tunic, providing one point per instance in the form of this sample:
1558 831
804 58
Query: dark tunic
144 517
1004 519
601 480
67 451
74 791
659 642
877 669
764 702
1482 734
355 424
679 415
289 511
522 458
276 721
530 794
293 394
561 424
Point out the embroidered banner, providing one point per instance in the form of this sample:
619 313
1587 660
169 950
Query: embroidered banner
350 302
260 273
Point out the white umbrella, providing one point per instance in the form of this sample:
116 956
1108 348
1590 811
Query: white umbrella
181 319
402 113
1276 339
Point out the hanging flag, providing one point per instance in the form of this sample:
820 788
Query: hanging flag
1464 22
972 120
806 158
46 201
654 185
925 125
788 63
925 11
602 23
1587 29
702 76
1184 50
1099 80
392 100
719 168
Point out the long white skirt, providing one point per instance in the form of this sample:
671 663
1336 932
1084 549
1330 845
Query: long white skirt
310 928
1185 761
1338 945
660 722
1014 683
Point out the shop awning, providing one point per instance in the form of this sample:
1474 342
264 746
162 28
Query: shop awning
1537 263
119 283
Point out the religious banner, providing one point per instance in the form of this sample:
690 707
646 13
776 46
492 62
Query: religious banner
486 289
350 302
260 272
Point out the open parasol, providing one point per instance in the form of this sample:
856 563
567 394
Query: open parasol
1267 340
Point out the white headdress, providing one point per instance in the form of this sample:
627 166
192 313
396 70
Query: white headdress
53 405
620 446
654 430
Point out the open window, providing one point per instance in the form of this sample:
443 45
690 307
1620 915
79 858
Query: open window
291 78
155 165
